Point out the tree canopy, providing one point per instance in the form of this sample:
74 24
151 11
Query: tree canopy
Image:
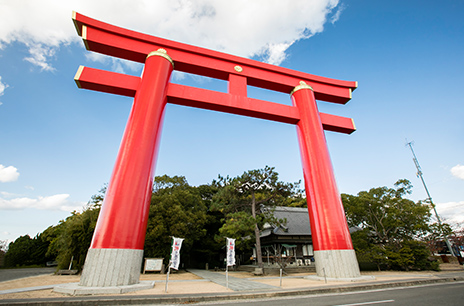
71 238
390 226
28 251
242 199
387 214
178 210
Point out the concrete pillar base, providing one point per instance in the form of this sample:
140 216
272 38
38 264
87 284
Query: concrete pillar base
111 267
337 264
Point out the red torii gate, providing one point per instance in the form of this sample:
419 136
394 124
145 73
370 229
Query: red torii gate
116 251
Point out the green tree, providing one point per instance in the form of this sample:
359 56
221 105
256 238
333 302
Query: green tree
208 249
242 200
74 237
39 255
71 238
19 252
436 238
27 251
177 209
390 225
388 216
457 234
3 249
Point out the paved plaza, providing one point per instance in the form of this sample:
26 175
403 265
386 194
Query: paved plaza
201 285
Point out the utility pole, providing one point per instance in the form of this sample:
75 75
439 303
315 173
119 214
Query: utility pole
429 199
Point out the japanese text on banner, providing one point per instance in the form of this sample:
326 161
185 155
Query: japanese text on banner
230 251
175 254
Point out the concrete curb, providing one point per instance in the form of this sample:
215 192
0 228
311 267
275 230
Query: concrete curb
18 290
76 289
197 298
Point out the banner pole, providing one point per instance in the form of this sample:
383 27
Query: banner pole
167 279
169 266
227 276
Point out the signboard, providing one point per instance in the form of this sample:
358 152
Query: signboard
153 265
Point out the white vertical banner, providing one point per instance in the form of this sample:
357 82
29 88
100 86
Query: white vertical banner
175 252
230 251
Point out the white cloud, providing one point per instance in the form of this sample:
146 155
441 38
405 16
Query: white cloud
2 88
262 28
117 65
275 53
337 14
54 202
8 194
451 212
8 174
458 171
39 56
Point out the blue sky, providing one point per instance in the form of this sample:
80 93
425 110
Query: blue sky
58 143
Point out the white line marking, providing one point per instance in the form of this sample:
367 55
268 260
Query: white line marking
369 303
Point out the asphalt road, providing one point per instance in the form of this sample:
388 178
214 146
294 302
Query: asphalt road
448 294
10 274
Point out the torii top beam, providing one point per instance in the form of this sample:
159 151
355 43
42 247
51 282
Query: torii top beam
240 72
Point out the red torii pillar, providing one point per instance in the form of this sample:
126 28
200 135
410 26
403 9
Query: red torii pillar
333 250
116 252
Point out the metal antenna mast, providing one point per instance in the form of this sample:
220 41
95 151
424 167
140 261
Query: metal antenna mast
429 199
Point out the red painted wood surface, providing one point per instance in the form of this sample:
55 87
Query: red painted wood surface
134 46
124 214
234 102
329 229
122 222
